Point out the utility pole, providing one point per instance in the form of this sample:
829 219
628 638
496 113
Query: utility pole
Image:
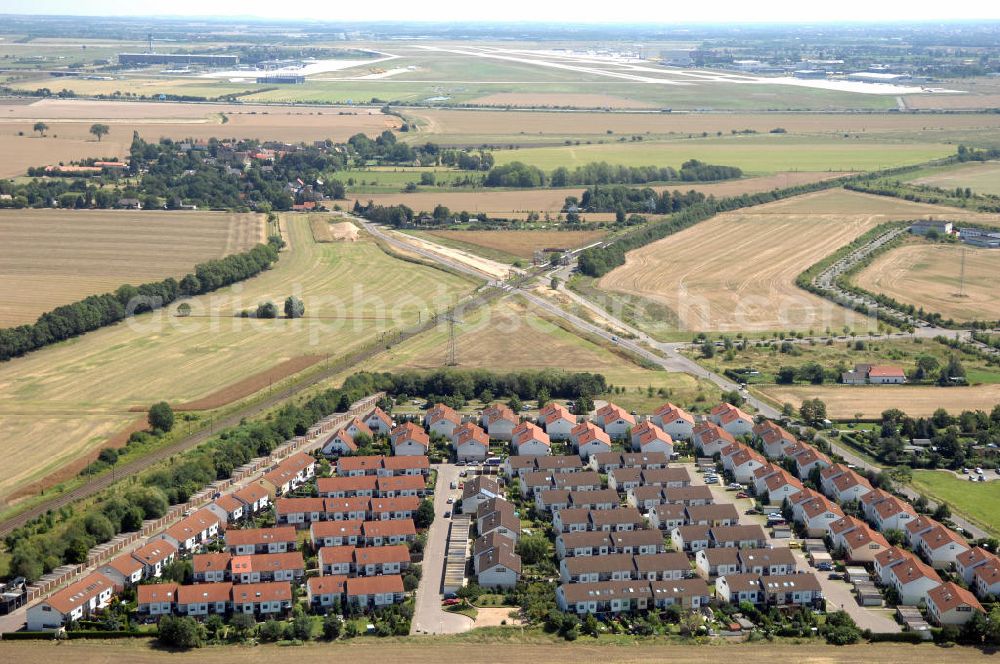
961 276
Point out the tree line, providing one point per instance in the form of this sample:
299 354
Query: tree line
521 175
619 198
96 311
456 386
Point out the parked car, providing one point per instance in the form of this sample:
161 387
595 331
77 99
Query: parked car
454 485
451 501
752 510
447 514
742 494
734 486
834 576
824 567
452 602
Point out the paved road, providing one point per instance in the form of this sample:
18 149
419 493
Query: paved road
428 616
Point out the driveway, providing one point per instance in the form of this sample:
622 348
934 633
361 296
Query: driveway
428 616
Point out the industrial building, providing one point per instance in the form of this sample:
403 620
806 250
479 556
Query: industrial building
129 59
281 79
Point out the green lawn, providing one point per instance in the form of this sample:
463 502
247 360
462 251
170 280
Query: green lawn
756 155
979 501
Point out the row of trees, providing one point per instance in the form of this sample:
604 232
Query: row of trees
457 386
620 198
519 174
97 311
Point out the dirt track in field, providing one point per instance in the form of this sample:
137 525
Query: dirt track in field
428 650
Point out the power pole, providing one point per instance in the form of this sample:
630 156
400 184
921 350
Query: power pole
961 276
452 350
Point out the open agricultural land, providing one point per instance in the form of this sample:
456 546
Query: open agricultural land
480 648
517 204
69 120
493 127
59 405
980 501
755 155
56 257
736 271
846 401
511 336
929 275
982 178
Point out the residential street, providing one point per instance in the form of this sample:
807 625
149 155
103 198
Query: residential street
428 616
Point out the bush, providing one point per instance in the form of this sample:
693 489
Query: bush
183 632
161 416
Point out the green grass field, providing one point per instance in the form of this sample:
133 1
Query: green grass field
756 155
979 501
388 180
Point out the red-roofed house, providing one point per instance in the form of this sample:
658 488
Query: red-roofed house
913 579
499 422
471 443
588 439
408 439
368 591
710 439
528 439
340 444
442 420
378 422
951 604
262 598
74 602
356 427
675 421
615 421
124 570
325 591
732 419
557 421
647 437
157 599
941 546
154 556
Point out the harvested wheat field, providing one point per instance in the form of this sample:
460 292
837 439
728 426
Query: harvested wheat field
522 244
481 648
736 271
558 100
845 401
509 336
69 120
54 257
517 204
80 391
928 275
982 178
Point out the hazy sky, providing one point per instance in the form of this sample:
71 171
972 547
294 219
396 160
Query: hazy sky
644 11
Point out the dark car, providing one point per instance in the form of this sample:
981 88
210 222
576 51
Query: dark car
834 576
